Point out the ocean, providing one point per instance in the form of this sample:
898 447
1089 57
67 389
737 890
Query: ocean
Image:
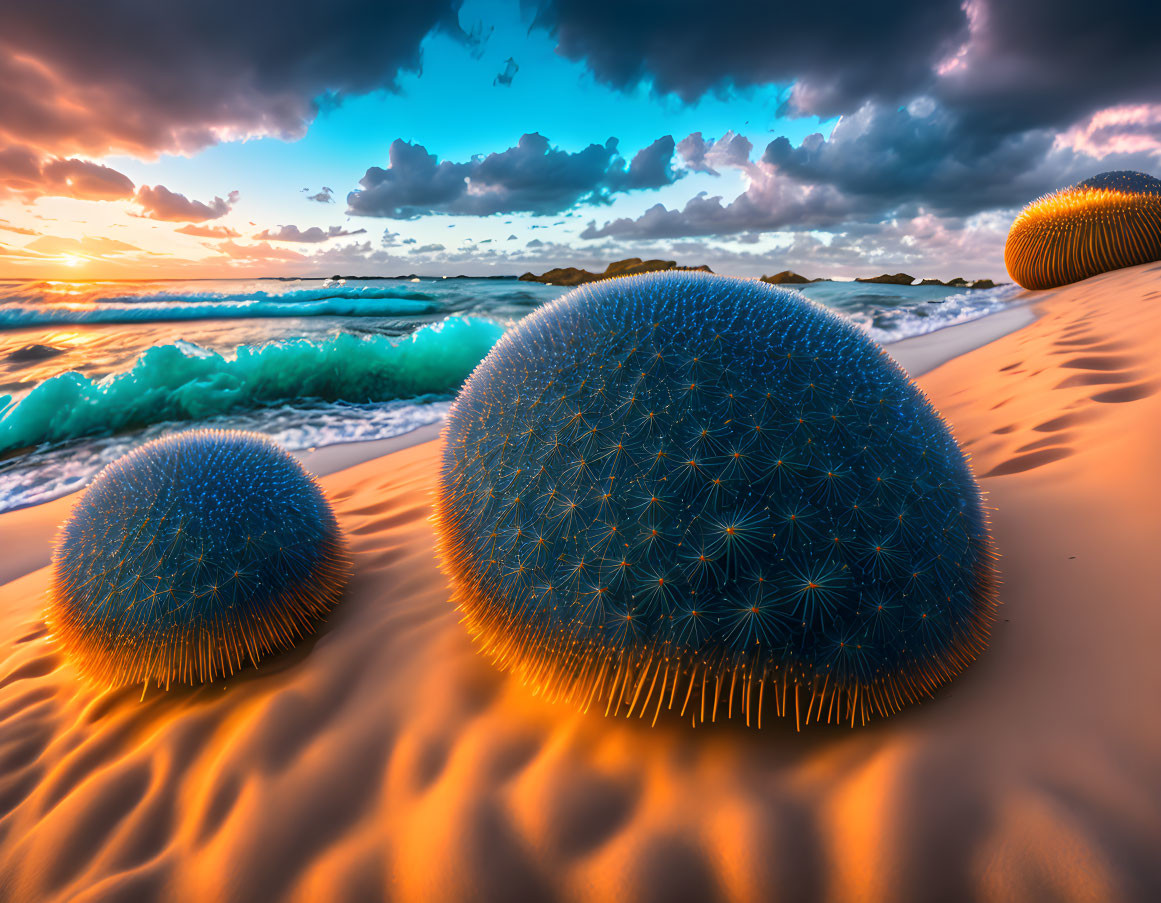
88 371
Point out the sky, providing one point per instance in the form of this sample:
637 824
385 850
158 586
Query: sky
214 139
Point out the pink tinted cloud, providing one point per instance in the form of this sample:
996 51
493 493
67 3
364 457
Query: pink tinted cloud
259 251
25 172
86 180
90 244
1127 129
313 235
208 231
158 202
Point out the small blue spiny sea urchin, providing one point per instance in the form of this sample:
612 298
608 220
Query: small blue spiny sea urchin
689 492
191 556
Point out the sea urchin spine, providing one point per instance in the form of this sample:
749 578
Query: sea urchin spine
192 556
708 495
1107 222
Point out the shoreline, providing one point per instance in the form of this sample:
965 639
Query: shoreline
923 353
327 459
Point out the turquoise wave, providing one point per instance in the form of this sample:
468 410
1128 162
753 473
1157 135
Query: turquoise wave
338 301
183 382
322 293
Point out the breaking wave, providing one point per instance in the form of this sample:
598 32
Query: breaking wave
184 382
338 301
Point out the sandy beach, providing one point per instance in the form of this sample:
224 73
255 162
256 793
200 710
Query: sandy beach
386 760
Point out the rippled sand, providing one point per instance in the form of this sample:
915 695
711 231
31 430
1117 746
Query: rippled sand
387 761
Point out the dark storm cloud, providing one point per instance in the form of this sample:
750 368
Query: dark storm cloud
1048 63
532 177
769 205
952 107
158 202
883 163
887 158
843 50
412 184
312 235
1002 65
651 167
145 77
892 156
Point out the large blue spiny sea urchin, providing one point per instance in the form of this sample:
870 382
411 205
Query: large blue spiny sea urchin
709 495
191 556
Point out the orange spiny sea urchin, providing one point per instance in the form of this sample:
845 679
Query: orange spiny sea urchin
708 495
192 556
1110 221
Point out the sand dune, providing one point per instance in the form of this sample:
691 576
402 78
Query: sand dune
387 761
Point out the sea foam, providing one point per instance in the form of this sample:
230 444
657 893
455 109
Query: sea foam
338 301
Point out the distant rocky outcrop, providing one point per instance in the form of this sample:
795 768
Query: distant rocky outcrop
904 279
631 266
786 277
887 279
960 282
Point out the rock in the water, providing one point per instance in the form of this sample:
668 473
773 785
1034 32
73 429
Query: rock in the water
786 277
631 266
887 279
